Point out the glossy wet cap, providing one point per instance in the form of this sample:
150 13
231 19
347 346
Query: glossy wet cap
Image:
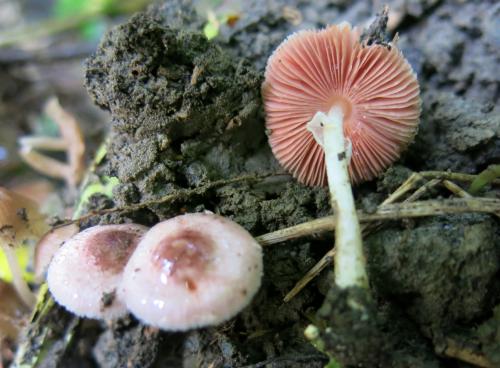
87 270
374 85
192 271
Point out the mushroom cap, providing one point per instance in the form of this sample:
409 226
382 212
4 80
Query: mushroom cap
20 218
191 271
374 85
87 270
49 244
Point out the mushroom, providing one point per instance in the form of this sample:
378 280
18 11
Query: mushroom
49 244
71 141
20 220
87 270
191 271
12 312
339 110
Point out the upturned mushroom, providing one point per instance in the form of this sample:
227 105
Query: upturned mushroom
192 271
87 270
20 220
71 141
339 110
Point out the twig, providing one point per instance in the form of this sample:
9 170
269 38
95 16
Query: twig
455 189
312 227
452 176
297 231
422 190
456 351
393 211
310 275
408 185
385 212
177 195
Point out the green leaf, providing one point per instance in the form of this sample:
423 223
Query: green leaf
333 364
66 8
104 186
211 30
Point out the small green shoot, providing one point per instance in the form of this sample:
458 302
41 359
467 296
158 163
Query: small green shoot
491 173
104 186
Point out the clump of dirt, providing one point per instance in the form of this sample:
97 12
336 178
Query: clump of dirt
353 333
464 135
488 335
441 271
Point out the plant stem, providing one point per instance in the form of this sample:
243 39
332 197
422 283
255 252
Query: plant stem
350 262
395 211
19 283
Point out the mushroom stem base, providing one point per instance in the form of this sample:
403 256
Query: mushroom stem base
350 262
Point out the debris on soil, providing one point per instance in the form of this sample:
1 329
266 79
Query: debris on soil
353 334
376 33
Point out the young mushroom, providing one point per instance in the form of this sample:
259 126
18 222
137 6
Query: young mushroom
339 110
12 313
71 142
49 244
192 271
86 271
20 220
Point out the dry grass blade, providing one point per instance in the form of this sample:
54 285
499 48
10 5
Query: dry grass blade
453 176
327 223
310 275
455 189
454 350
384 212
393 211
71 141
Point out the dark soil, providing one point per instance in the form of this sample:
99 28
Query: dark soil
186 111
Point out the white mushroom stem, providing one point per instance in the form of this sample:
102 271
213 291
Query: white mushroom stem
350 262
18 281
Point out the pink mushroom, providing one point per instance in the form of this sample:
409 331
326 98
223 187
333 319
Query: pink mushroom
374 86
339 111
20 220
87 270
49 244
192 271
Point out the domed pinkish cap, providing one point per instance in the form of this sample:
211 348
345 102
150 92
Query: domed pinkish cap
192 271
374 85
87 270
49 244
